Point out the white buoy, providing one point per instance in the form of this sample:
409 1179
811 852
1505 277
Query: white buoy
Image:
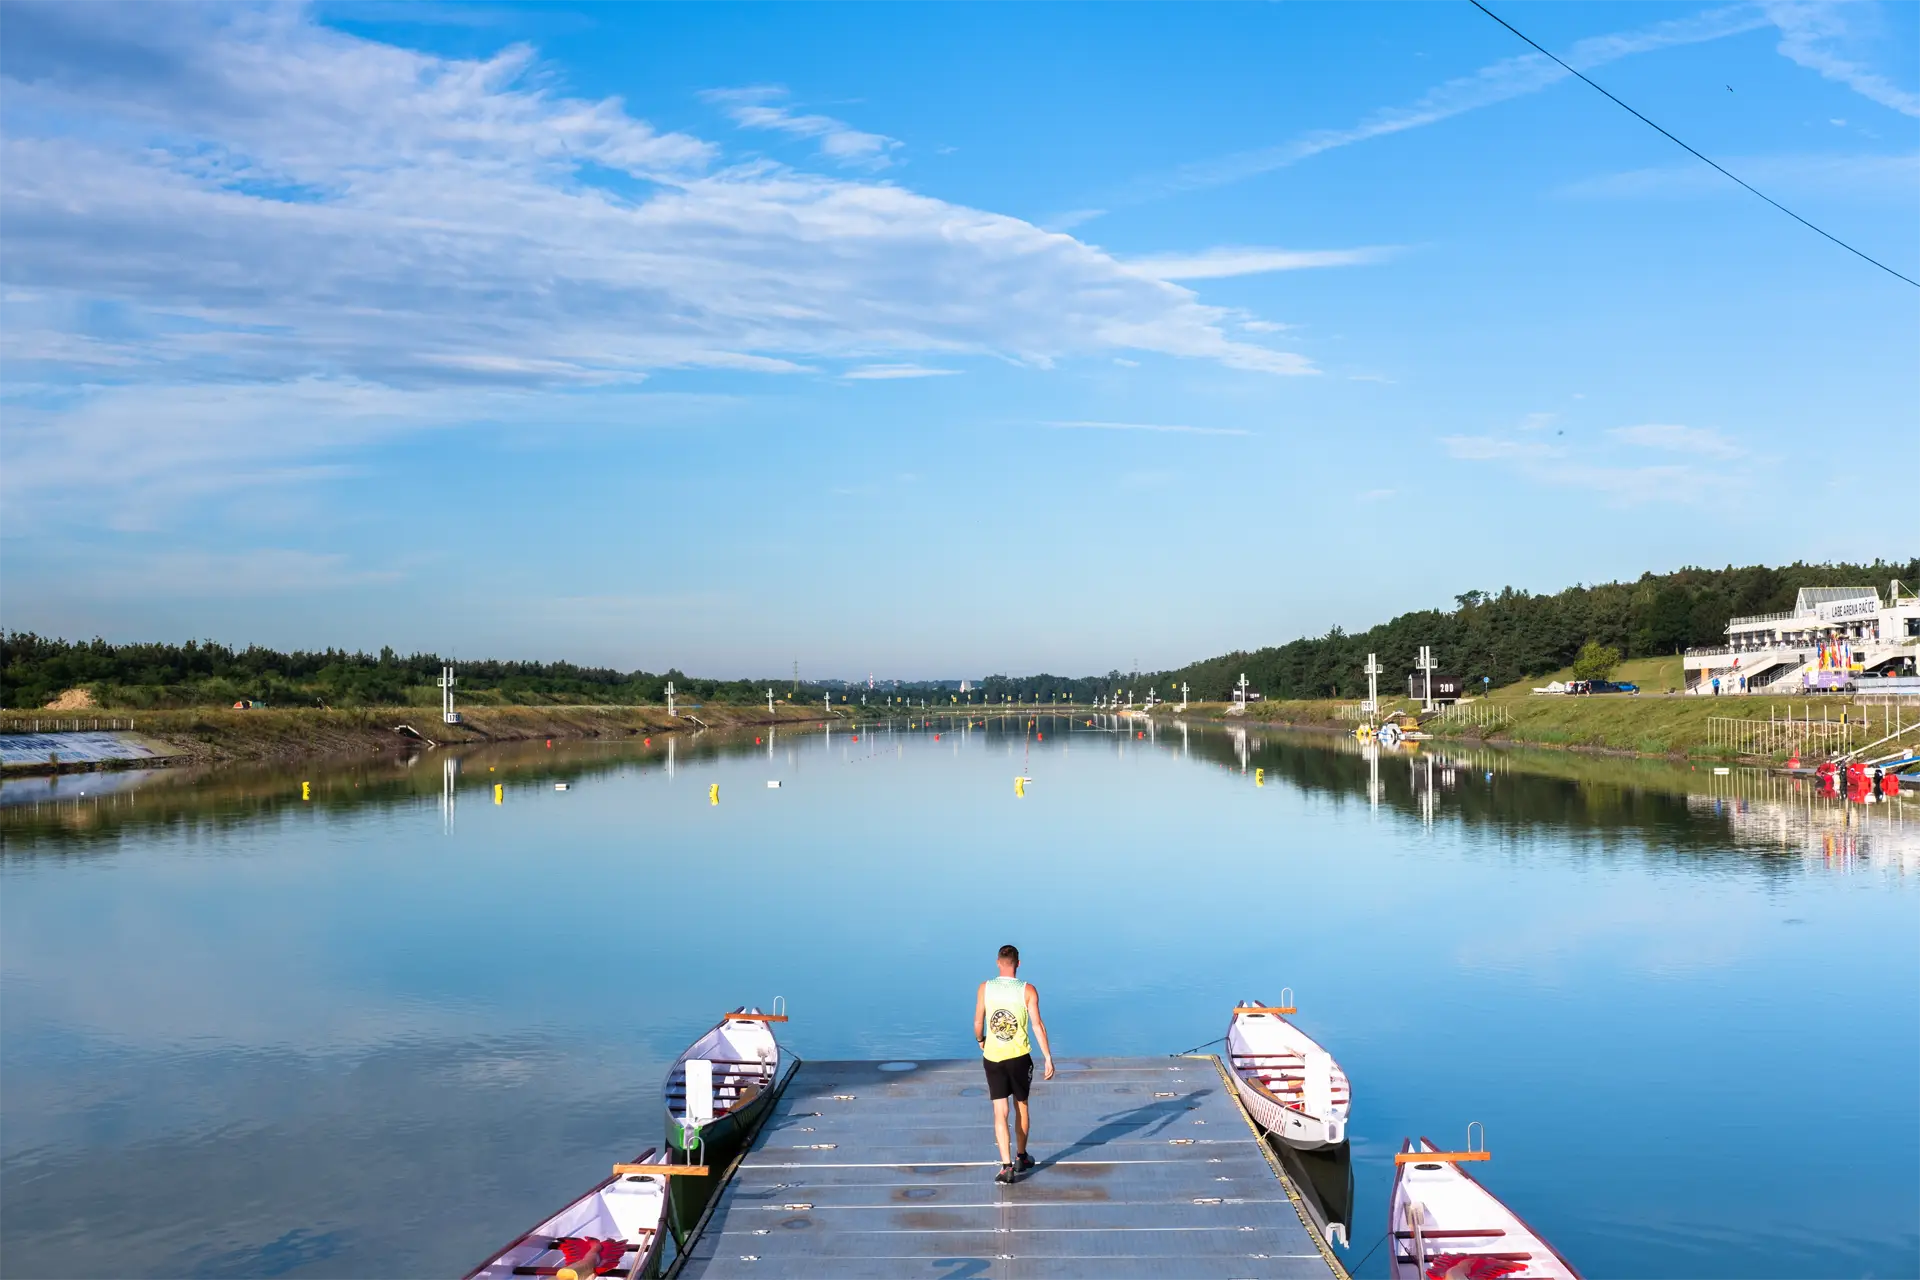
773 782
563 786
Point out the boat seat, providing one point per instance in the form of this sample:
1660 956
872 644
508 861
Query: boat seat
734 1062
1456 1234
638 1248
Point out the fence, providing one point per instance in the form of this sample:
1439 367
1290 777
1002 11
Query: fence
41 724
1485 714
1764 737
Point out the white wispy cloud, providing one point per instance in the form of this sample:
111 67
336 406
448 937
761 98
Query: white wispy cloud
1894 177
256 571
1498 82
307 239
1215 264
885 372
1497 449
1676 438
1809 33
1620 479
1148 426
761 107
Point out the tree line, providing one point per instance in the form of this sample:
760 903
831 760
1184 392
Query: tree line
1505 636
34 669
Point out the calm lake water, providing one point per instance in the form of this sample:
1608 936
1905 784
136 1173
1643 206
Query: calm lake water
380 1032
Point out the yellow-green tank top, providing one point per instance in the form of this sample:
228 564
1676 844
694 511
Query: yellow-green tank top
1006 1000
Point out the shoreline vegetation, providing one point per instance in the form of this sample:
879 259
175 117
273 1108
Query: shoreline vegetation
1649 726
187 698
198 736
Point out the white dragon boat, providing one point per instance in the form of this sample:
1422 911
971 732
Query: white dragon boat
1446 1226
1291 1085
615 1229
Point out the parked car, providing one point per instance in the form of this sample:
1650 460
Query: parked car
1607 686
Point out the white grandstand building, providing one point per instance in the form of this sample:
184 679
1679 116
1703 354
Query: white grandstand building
1832 638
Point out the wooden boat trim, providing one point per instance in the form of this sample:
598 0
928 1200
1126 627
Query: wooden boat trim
661 1170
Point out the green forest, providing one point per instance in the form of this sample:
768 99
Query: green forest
1513 635
1504 636
34 669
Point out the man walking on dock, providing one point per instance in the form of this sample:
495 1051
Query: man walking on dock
1004 1011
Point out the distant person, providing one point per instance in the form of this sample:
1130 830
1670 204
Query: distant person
1004 1010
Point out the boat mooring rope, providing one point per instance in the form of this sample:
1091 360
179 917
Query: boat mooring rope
1197 1048
1376 1244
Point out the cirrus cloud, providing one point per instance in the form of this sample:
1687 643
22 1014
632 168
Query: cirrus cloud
238 197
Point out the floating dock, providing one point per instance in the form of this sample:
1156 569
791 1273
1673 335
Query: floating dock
1148 1167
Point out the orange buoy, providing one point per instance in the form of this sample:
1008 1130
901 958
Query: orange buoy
756 742
856 737
1139 735
1041 736
647 742
549 744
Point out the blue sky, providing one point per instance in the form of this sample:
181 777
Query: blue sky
933 340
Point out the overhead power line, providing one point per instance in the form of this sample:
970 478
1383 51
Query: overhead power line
1690 151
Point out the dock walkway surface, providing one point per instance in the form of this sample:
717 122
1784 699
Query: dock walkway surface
1148 1167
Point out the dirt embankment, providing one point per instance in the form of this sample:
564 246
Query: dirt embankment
211 736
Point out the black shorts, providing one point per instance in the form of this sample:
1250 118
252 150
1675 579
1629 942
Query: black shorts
1012 1077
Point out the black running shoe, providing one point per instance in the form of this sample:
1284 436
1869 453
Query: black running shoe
1022 1162
1005 1175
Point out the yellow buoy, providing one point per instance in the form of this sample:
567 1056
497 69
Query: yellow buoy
306 791
1259 777
499 790
713 794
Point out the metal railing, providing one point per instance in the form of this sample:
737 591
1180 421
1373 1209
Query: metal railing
1485 714
1764 737
44 724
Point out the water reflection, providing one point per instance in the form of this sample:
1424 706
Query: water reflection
1687 809
374 1023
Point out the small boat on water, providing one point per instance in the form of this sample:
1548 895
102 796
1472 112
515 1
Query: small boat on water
727 1075
615 1229
1291 1085
1446 1226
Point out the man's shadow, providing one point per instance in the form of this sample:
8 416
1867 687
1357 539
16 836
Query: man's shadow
1142 1121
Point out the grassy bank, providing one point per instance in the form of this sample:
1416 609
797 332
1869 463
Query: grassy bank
1649 724
290 733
